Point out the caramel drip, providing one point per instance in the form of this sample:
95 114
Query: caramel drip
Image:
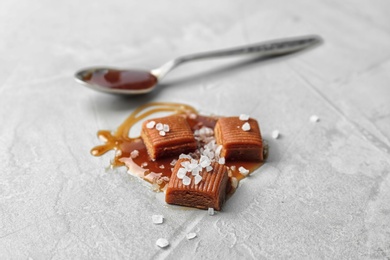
124 145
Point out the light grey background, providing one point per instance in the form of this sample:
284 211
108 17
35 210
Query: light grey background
324 192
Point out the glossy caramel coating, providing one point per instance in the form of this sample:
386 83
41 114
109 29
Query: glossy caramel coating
238 144
179 139
210 192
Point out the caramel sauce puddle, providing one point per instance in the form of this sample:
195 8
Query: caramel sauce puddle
159 171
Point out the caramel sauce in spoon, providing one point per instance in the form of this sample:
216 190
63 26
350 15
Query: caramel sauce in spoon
136 80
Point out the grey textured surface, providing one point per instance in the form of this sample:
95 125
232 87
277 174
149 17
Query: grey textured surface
324 192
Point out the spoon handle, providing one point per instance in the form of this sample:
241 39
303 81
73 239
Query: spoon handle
264 49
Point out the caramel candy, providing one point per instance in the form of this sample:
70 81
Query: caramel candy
240 140
167 136
210 192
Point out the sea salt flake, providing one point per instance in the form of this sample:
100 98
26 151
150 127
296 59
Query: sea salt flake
181 173
218 150
234 182
185 164
157 219
221 160
209 168
243 171
162 166
150 124
162 242
275 134
208 153
186 180
314 119
184 156
191 167
244 117
198 178
196 171
204 161
160 127
211 211
206 131
193 161
166 128
211 145
191 235
192 116
134 154
174 161
162 133
246 127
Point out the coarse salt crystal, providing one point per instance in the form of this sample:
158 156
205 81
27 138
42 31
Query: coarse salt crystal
181 173
150 124
193 161
314 119
134 154
233 167
204 161
275 134
244 117
185 164
157 219
162 242
166 128
208 153
144 164
162 166
246 126
206 131
218 150
184 156
243 171
221 160
196 171
209 168
198 178
162 133
192 166
192 116
234 182
191 235
186 180
173 162
211 211
159 127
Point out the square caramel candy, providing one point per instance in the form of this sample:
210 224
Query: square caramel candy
167 136
209 192
240 140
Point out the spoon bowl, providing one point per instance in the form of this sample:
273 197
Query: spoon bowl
117 81
134 82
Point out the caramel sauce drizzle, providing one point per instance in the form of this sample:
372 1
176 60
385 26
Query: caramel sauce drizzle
159 171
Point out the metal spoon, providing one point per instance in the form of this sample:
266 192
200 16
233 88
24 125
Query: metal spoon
132 82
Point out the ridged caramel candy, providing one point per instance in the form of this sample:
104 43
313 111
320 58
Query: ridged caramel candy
210 192
238 144
179 139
